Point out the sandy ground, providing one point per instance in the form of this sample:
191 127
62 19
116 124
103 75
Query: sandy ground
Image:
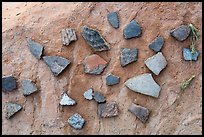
174 112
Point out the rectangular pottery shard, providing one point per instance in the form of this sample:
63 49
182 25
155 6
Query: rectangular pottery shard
8 83
68 35
107 109
94 39
140 112
35 48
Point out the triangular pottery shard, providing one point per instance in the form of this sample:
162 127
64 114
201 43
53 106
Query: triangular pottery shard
56 64
66 100
94 39
11 109
35 48
144 84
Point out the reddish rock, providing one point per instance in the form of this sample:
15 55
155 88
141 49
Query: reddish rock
109 109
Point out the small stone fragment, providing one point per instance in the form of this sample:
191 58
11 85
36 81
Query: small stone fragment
68 35
66 100
127 56
99 97
94 39
56 64
35 48
141 112
156 63
28 87
94 64
181 33
112 80
144 84
132 30
106 110
113 19
11 109
157 44
8 83
76 121
188 56
88 94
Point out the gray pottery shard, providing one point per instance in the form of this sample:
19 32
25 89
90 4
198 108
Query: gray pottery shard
98 97
132 30
113 19
56 64
28 87
128 56
144 84
8 83
68 35
66 100
157 44
140 112
88 94
181 33
11 109
107 110
76 121
35 48
94 39
156 63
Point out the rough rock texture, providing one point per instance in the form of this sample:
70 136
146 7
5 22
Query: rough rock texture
188 56
8 83
127 56
11 109
156 63
56 64
113 19
181 33
141 112
68 35
88 94
99 97
157 44
108 109
76 121
112 80
28 87
94 39
132 30
35 48
94 64
66 100
144 84
174 112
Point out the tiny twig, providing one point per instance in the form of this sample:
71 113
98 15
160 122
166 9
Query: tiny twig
187 83
194 38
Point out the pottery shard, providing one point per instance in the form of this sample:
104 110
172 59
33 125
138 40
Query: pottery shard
35 48
68 35
28 87
144 84
66 100
11 109
99 97
140 112
181 33
113 19
76 121
156 63
8 83
56 64
132 30
157 44
88 94
109 109
94 64
188 56
128 56
112 80
94 39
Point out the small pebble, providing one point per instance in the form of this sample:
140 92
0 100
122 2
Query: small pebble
88 94
8 83
66 100
99 97
76 121
188 56
132 30
181 33
112 80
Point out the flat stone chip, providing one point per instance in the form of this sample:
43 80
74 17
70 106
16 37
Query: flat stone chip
112 80
94 64
113 19
35 48
11 109
99 97
76 121
56 64
132 30
157 44
181 33
144 84
66 100
94 39
8 83
68 35
140 112
28 87
128 56
156 63
88 94
106 110
188 56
